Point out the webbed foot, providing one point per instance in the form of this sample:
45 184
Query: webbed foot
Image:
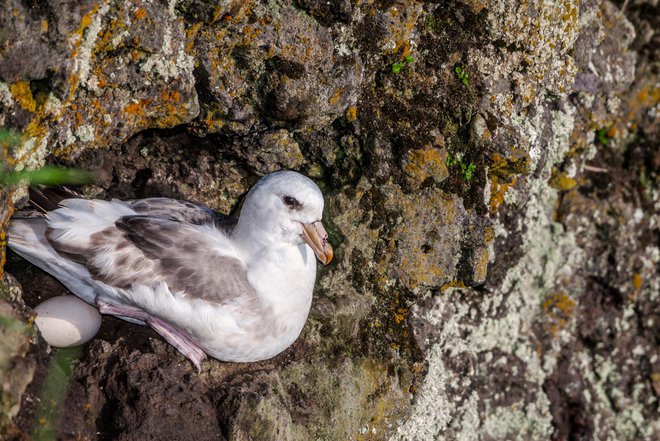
174 336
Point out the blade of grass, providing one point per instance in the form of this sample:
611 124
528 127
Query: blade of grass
53 394
48 175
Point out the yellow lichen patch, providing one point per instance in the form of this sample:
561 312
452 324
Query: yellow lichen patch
164 111
612 132
637 281
336 96
559 308
351 114
452 284
73 81
86 20
403 26
561 181
655 379
191 36
76 40
35 130
111 37
169 110
22 93
421 164
101 80
374 377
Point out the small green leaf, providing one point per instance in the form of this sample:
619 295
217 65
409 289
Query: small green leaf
601 136
397 67
467 170
49 175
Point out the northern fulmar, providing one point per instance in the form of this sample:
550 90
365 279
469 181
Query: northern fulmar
237 291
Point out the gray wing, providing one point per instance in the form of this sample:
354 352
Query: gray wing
182 211
146 250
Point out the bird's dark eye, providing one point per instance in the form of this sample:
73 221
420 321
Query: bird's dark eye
291 202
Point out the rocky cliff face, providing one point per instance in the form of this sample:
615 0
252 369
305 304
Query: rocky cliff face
490 172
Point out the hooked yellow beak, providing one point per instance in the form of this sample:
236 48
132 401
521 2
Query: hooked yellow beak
317 238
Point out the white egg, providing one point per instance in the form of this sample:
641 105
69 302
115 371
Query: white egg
67 321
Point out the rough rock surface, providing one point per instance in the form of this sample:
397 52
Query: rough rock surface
491 178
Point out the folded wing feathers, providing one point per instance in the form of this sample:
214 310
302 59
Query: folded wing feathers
182 211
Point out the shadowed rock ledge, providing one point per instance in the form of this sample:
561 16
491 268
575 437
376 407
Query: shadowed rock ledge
491 180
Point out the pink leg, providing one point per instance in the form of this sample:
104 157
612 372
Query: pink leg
175 337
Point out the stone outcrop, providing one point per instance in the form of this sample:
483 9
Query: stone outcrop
491 180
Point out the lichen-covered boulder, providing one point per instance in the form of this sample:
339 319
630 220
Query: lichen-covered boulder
265 65
76 75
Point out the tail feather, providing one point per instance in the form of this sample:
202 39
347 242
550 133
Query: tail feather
27 239
47 199
71 220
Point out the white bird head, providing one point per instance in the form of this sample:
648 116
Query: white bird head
286 206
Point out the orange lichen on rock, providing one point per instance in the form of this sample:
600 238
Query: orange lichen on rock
400 316
503 174
421 164
497 191
163 112
140 13
336 96
137 108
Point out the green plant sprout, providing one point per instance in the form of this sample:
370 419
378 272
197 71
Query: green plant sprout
467 170
397 67
463 77
453 160
601 136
